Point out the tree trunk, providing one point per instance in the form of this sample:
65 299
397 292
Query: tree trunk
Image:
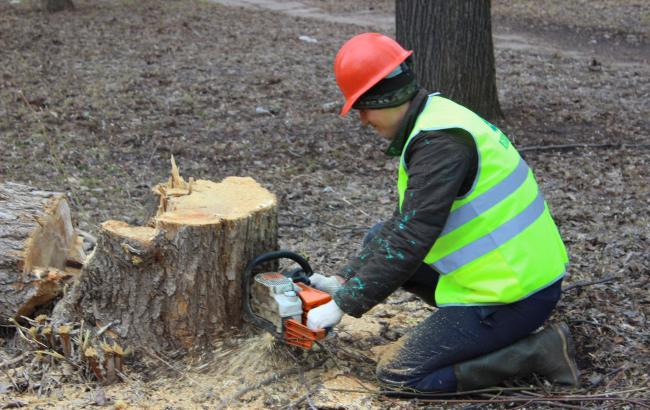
54 6
178 283
454 54
37 240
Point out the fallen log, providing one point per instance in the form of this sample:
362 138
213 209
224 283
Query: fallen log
37 243
177 283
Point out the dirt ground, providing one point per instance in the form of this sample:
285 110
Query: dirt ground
93 102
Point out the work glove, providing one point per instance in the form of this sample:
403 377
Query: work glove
324 316
328 284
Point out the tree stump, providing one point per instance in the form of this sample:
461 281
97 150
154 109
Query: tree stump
177 283
37 240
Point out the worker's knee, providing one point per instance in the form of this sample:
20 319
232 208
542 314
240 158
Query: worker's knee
401 379
391 378
391 367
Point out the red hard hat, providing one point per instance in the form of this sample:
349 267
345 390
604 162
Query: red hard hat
363 61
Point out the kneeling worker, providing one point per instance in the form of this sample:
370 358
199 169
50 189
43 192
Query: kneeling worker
471 235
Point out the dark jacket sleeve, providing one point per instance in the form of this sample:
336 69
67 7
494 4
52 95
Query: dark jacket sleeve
438 164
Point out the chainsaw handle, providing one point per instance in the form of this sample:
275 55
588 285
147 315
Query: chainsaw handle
281 254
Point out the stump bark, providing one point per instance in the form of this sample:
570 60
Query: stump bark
38 242
177 283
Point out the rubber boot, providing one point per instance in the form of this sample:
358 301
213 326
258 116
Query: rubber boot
549 353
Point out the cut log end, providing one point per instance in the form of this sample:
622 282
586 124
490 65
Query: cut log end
43 285
39 244
53 236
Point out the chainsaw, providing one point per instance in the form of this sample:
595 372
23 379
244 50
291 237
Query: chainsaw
279 302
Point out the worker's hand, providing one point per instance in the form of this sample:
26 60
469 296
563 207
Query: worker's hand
329 284
324 316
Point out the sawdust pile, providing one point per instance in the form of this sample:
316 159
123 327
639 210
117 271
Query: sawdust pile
256 354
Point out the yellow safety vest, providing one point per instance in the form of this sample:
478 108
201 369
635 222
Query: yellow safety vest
500 243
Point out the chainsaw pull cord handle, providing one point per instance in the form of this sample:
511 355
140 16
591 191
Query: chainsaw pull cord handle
248 274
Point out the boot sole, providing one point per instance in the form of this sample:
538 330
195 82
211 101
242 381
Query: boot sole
568 351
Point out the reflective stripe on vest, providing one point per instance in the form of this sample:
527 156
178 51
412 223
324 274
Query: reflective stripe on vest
493 240
499 243
490 198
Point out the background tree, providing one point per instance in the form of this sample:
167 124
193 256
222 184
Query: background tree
58 5
454 54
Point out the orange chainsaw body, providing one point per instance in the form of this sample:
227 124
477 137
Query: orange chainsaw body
298 334
294 301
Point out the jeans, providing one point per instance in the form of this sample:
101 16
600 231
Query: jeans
424 358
